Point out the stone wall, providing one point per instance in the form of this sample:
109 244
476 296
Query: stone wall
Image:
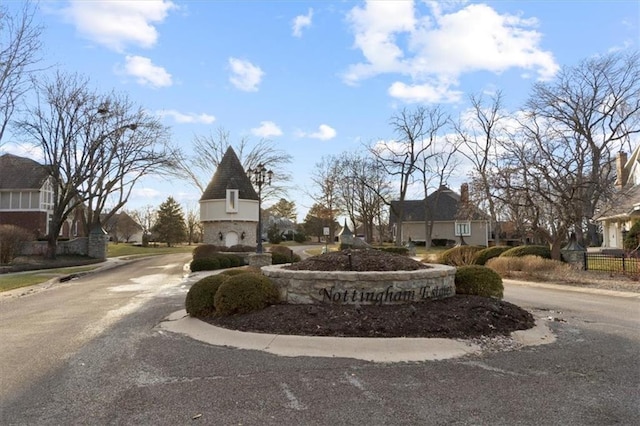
372 288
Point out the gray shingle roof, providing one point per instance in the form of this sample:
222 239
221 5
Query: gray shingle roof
444 206
21 173
625 203
229 175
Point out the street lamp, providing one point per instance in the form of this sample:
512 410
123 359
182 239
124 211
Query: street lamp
260 177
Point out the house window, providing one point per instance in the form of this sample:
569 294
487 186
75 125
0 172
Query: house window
463 229
232 201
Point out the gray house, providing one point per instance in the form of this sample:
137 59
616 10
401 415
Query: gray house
453 218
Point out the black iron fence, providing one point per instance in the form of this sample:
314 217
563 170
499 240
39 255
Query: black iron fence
612 262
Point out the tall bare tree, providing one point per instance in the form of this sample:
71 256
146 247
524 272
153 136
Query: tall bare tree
20 46
208 150
96 146
326 176
482 132
589 112
400 157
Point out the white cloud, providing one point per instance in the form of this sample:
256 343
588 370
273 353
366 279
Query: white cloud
300 22
190 117
148 193
145 72
116 24
324 133
244 75
267 129
441 46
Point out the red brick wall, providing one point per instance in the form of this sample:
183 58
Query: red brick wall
31 221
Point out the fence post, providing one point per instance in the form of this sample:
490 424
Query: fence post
624 269
585 261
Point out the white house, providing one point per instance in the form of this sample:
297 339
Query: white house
229 205
618 216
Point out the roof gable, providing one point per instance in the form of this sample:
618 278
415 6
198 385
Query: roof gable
229 175
21 173
443 205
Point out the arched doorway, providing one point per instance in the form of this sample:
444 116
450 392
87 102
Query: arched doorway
231 239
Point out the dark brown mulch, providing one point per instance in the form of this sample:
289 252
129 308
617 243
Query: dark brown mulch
454 317
460 316
359 260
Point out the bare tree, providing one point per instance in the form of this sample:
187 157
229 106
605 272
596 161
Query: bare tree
20 45
326 177
146 217
209 150
96 147
590 112
194 226
364 192
482 132
400 157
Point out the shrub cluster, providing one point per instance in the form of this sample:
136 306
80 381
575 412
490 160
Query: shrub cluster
216 261
459 255
478 280
230 292
205 250
282 254
632 240
11 240
245 293
200 297
482 256
518 251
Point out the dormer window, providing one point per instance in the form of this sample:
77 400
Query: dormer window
232 201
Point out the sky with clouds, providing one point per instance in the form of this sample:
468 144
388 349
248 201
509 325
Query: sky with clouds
318 77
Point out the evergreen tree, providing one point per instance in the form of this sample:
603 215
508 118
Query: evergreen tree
170 225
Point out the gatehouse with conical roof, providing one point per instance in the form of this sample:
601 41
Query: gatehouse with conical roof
229 205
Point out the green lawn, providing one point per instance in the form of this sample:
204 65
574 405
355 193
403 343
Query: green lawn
13 281
122 249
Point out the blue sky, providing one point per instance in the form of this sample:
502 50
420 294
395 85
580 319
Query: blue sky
318 78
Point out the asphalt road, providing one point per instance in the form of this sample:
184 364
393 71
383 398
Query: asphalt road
90 352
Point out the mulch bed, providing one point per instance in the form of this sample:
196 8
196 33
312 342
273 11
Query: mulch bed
454 317
461 316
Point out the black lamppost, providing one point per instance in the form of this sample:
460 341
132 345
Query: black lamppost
260 177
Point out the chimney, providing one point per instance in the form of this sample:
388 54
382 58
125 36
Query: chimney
464 194
621 172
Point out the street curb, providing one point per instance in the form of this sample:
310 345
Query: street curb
380 350
565 287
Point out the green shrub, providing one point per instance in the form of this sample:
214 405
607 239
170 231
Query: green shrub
200 297
245 293
240 248
205 251
632 238
394 249
238 271
204 264
481 257
459 255
282 254
519 251
299 237
224 261
234 260
478 280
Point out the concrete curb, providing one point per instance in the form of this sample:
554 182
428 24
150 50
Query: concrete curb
383 350
566 287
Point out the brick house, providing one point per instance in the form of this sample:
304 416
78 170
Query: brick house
26 198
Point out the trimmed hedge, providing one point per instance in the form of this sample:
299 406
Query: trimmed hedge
478 280
200 297
245 293
204 251
483 256
204 264
519 251
459 255
282 254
